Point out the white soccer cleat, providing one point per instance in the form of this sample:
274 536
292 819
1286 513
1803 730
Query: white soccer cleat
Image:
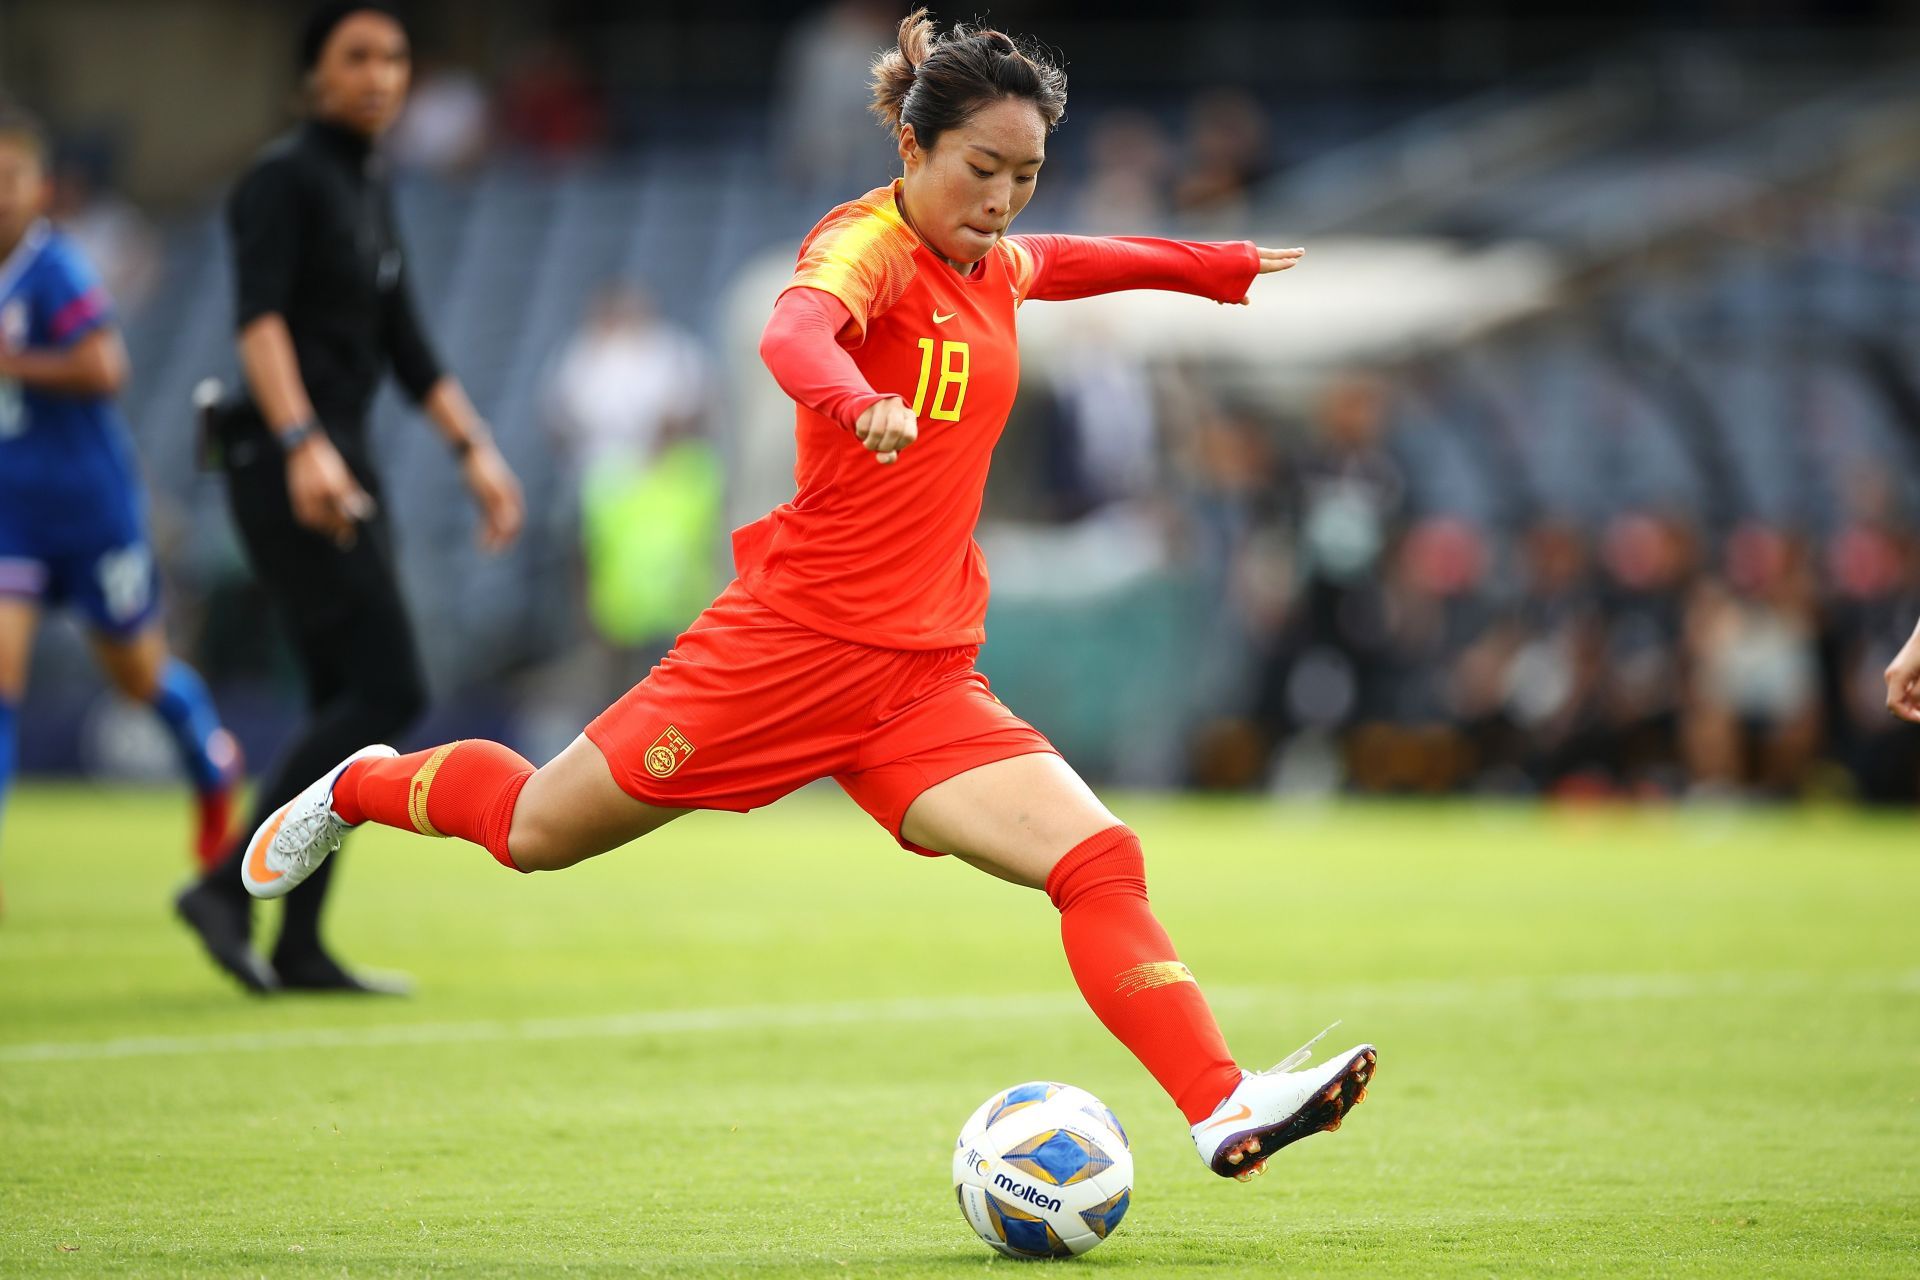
299 835
1271 1109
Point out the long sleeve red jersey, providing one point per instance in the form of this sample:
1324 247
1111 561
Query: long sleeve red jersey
884 555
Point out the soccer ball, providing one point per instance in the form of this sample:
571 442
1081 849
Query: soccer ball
1042 1170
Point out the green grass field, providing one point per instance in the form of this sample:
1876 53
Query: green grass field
1684 1044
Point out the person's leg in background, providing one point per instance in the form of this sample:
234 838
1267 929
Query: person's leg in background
19 618
378 691
341 609
141 667
363 680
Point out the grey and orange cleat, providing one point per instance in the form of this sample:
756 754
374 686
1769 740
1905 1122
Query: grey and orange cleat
1271 1109
299 835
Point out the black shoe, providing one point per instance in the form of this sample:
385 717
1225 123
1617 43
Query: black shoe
317 971
225 929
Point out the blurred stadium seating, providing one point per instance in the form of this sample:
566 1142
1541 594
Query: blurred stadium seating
1646 527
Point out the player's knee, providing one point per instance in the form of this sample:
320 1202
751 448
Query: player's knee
1111 862
540 836
135 667
141 684
535 845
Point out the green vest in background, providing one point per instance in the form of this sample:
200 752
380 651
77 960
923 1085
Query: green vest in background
648 534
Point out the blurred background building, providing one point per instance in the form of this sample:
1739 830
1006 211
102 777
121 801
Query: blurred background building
1581 457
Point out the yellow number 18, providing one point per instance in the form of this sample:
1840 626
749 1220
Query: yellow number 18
955 363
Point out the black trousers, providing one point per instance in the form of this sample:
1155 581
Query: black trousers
341 609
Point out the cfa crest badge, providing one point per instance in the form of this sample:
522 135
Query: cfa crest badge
668 752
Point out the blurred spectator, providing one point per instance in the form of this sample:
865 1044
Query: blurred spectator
1529 689
824 137
547 105
627 402
1346 496
1226 158
627 383
1752 717
1651 562
445 126
114 235
1872 565
1411 739
1131 168
1103 444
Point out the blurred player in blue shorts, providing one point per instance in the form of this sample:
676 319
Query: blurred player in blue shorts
72 513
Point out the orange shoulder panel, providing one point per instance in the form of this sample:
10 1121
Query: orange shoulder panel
862 254
1020 265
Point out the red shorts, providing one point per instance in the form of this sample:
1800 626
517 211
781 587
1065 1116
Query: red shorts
749 706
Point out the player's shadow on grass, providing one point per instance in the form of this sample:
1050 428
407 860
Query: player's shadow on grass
969 1262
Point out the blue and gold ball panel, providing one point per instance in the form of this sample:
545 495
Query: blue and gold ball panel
1018 1097
1104 1114
1058 1157
1105 1216
1023 1232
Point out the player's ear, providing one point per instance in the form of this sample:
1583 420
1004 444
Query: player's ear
910 153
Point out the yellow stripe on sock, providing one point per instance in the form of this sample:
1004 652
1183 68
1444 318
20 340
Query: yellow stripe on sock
1154 973
418 789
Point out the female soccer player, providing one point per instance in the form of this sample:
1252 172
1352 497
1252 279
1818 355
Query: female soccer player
845 649
72 516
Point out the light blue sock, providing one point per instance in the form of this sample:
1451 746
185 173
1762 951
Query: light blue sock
186 708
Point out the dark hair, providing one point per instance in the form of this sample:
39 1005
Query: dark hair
324 18
18 126
936 83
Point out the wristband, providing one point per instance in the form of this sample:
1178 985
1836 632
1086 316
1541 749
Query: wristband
296 435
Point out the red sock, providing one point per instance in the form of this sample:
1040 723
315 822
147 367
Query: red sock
1128 972
466 789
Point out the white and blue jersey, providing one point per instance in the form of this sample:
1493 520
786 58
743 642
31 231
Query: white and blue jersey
72 512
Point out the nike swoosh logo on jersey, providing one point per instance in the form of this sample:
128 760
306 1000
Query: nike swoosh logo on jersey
940 319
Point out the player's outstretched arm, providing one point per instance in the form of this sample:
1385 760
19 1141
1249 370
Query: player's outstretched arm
96 365
1903 679
1054 268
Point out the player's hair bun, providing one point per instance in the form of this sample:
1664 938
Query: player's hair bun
935 82
893 70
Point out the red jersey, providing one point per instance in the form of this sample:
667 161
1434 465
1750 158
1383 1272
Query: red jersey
884 555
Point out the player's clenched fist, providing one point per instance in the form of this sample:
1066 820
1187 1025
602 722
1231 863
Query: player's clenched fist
886 427
1903 677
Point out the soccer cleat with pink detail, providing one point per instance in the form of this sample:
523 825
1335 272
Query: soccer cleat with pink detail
299 835
1270 1109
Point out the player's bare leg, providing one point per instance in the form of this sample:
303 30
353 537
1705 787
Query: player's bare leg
19 622
528 819
571 809
1032 820
133 664
1014 818
19 619
142 668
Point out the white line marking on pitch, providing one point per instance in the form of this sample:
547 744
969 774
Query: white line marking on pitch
1578 988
